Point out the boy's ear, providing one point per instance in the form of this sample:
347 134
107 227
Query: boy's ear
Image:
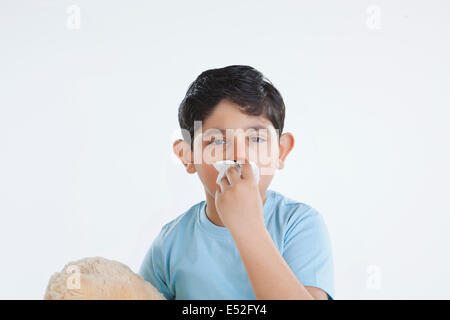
183 152
286 144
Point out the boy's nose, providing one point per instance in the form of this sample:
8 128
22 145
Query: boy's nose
240 150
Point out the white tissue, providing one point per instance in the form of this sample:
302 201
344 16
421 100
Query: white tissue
223 165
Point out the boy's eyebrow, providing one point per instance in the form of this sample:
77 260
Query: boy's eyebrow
223 131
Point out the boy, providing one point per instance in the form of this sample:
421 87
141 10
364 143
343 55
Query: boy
245 241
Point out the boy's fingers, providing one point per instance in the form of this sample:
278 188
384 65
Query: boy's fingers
220 186
247 171
232 174
224 183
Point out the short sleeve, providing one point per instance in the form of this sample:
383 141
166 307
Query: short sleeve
153 271
308 251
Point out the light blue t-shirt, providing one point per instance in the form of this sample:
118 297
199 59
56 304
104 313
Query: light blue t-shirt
192 258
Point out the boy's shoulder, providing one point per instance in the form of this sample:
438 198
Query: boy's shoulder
172 227
288 205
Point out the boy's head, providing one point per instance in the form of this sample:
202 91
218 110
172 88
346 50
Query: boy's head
232 113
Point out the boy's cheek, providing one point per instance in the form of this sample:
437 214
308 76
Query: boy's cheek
211 172
268 159
211 154
267 163
263 155
209 175
268 169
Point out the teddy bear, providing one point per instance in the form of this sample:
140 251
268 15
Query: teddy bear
97 278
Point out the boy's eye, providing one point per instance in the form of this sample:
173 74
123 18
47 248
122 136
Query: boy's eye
217 141
256 139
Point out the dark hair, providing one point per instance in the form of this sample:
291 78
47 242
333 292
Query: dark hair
243 85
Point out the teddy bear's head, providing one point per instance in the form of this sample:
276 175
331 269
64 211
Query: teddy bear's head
98 278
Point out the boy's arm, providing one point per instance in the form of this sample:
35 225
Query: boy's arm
270 276
240 208
152 268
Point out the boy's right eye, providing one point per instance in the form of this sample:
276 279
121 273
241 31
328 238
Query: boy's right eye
217 141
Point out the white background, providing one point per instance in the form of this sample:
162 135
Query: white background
88 116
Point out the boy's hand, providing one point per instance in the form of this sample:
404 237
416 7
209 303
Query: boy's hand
238 203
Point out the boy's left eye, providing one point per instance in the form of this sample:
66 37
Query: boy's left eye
256 139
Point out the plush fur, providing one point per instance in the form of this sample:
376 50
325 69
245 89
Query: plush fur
98 278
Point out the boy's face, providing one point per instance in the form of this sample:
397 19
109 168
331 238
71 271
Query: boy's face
229 134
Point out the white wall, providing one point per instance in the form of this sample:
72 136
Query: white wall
87 117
